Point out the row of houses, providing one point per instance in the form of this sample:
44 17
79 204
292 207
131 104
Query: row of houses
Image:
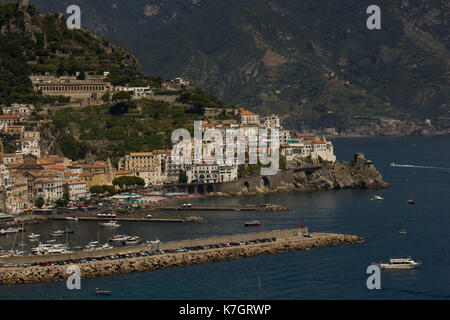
160 166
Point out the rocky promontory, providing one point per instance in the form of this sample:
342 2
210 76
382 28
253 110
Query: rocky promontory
357 174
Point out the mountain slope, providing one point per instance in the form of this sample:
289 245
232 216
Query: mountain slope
315 62
34 43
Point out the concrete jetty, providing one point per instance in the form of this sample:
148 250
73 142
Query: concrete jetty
264 207
286 240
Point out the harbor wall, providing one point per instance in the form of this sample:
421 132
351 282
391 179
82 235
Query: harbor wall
278 234
139 264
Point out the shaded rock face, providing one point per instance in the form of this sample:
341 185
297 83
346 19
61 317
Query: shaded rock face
348 175
358 174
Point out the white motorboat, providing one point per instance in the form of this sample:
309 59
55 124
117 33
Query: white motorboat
377 198
119 238
110 224
33 236
57 233
400 263
133 240
72 218
13 230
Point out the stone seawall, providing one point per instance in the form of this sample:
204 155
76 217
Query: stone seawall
139 264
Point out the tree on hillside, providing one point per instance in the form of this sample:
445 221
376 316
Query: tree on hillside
182 178
39 202
122 96
128 181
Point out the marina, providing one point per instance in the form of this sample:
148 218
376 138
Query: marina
160 255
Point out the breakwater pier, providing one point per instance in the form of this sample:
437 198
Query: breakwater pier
264 207
133 219
33 269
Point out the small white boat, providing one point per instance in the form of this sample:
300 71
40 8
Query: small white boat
400 263
133 240
377 198
110 224
33 236
152 242
13 230
119 238
72 218
57 233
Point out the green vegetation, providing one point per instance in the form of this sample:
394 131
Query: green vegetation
113 131
200 98
73 149
39 203
102 189
128 181
43 44
182 178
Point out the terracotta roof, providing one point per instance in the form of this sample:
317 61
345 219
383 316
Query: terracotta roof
318 142
13 165
19 182
45 161
55 168
74 181
245 112
43 180
9 116
121 172
93 166
69 174
167 151
141 154
86 174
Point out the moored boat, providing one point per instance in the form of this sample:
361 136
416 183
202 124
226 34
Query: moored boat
252 223
110 224
133 240
33 236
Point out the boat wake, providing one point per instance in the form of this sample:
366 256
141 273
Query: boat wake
419 167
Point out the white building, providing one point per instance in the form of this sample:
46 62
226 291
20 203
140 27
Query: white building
49 189
137 92
76 189
211 173
272 122
29 145
5 178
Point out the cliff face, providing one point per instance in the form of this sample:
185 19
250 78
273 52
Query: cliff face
341 176
357 174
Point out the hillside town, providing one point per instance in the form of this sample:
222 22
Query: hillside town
28 174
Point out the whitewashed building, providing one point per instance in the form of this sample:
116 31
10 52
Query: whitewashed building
49 189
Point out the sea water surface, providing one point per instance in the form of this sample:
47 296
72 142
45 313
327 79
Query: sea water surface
325 273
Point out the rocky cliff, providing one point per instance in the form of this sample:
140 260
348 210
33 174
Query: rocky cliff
357 174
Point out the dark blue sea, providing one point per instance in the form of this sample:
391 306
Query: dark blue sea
325 273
